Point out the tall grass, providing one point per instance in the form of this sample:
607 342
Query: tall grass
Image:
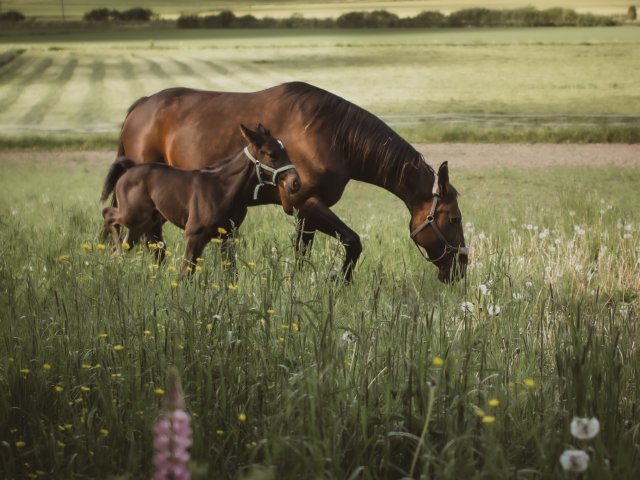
291 373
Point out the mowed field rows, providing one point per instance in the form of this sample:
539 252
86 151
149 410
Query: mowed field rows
84 82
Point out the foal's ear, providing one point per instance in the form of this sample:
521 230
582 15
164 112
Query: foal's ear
263 130
254 138
443 177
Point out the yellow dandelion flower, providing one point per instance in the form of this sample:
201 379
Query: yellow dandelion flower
85 366
86 247
116 375
118 348
236 241
233 287
222 231
126 246
100 246
67 426
220 432
198 268
199 260
167 253
271 311
158 391
478 412
139 252
493 402
46 367
250 445
152 245
174 284
64 258
437 362
216 240
147 333
295 327
242 417
98 365
529 382
20 444
488 419
251 265
215 286
171 269
62 428
103 335
25 371
59 388
281 339
153 266
209 327
78 400
85 389
226 263
60 444
104 432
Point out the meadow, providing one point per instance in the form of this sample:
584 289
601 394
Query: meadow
290 374
487 85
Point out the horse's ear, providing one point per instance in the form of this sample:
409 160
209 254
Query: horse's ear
263 130
443 177
252 137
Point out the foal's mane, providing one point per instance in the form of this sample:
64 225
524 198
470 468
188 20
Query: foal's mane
374 148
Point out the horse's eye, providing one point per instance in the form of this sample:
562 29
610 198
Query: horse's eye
455 220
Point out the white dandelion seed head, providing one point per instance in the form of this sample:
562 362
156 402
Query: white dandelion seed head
348 337
493 310
517 296
557 241
578 267
528 284
572 213
576 461
578 230
467 307
584 428
161 245
484 290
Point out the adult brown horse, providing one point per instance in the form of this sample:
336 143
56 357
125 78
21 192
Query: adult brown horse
329 140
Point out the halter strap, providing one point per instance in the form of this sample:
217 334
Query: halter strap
430 221
261 166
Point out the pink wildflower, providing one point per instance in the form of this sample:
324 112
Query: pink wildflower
172 435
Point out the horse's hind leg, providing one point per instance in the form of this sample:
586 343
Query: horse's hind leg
110 216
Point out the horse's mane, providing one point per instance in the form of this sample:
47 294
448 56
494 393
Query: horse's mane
357 134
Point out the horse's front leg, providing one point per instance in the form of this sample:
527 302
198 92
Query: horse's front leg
323 219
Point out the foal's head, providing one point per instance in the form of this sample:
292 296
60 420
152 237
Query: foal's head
270 152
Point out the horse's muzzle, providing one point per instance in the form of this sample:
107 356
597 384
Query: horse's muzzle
292 182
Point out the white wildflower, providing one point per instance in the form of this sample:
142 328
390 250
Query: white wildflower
584 428
574 461
467 307
493 310
484 290
348 337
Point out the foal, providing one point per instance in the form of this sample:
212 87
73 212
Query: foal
202 202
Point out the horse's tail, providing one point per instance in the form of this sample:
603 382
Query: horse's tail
118 168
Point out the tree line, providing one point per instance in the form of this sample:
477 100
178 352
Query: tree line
470 17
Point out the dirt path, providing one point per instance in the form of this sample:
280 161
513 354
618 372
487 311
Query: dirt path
459 155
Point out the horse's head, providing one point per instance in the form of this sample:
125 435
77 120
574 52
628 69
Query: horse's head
270 157
436 225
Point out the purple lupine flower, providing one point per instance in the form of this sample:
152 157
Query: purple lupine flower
172 434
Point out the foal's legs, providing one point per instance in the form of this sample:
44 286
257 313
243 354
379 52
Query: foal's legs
110 216
154 235
195 245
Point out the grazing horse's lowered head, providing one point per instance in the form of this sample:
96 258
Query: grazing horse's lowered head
436 226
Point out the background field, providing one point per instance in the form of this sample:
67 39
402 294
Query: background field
560 84
334 380
74 9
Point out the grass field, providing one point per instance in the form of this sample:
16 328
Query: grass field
561 84
334 381
74 9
